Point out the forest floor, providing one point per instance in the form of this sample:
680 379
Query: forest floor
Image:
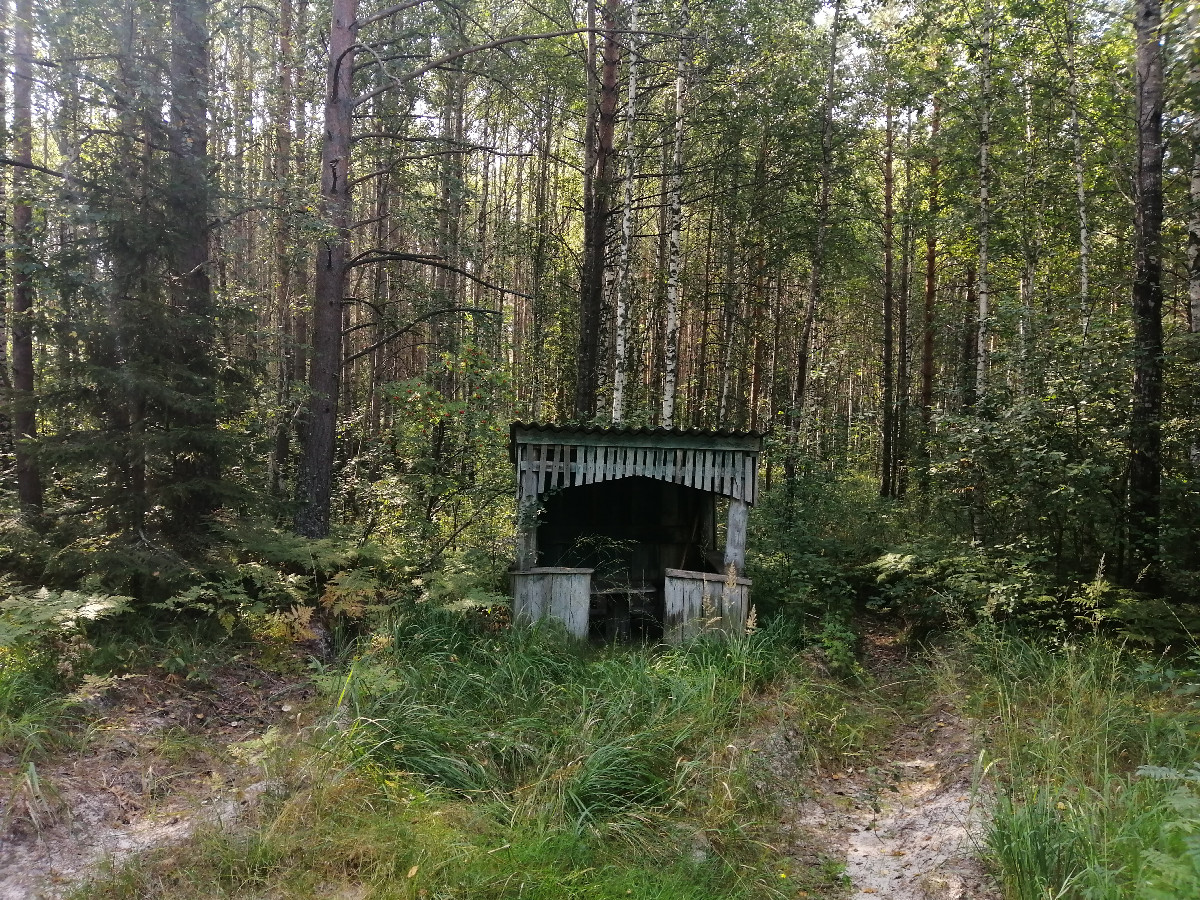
158 756
907 817
163 756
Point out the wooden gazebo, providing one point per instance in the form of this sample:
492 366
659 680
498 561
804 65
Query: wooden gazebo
617 529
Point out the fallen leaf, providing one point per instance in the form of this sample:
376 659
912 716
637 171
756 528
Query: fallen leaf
413 871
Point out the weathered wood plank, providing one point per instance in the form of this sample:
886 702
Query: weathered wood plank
553 593
735 536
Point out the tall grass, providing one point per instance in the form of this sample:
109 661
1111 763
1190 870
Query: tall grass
461 763
1072 730
553 733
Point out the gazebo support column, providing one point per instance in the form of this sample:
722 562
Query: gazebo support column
527 509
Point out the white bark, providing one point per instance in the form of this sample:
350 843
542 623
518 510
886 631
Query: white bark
985 214
1085 305
674 239
620 366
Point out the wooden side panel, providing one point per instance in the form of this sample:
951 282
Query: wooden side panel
702 603
682 610
529 596
553 593
568 601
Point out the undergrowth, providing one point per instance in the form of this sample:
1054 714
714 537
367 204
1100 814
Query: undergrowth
465 761
1093 749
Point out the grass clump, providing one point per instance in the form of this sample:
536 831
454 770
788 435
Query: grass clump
1090 746
552 733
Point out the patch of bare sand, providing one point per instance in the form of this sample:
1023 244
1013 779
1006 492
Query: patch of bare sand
911 826
908 823
160 759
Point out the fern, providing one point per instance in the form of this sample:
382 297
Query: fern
28 613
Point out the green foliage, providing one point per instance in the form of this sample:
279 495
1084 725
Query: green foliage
463 763
806 536
1079 734
934 585
30 615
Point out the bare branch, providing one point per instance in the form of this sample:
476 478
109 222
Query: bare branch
369 257
459 54
390 11
411 325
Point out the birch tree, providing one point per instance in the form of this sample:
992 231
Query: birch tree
674 231
624 274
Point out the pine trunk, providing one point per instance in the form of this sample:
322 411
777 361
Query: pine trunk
599 134
818 253
5 381
1145 427
196 464
29 482
886 488
315 483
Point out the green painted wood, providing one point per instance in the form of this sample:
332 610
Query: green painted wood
751 443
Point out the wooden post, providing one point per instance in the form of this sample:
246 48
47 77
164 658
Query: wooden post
527 503
735 536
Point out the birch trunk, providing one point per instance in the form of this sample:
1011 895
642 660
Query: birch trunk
624 275
983 287
315 482
1031 238
675 228
1085 303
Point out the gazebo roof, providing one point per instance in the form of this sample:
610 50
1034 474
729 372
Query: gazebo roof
548 457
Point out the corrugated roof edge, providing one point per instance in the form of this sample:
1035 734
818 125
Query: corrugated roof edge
626 431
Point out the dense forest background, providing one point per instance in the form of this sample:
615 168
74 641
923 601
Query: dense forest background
293 267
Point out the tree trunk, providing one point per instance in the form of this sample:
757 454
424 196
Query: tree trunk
1145 426
903 349
283 263
1193 226
196 465
315 482
598 138
624 275
983 288
675 228
5 381
1085 303
927 322
886 488
818 252
29 482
